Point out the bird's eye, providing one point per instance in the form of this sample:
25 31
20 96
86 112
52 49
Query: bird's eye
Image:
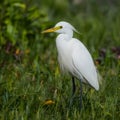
61 27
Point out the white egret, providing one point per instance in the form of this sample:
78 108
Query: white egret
74 57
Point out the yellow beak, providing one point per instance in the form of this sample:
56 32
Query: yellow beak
52 29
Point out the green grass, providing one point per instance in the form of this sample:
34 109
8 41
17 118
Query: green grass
29 71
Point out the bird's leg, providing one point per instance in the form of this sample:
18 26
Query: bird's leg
81 93
73 86
73 90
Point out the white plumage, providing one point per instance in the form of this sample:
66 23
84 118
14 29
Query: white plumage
74 57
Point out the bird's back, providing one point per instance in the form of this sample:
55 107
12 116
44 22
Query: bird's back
83 63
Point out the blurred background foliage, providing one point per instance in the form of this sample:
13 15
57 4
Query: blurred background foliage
21 23
28 62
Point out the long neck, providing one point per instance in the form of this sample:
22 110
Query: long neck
66 36
69 32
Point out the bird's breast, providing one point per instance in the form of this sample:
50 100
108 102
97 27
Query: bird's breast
64 52
63 44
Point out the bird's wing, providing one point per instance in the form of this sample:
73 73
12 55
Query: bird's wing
84 64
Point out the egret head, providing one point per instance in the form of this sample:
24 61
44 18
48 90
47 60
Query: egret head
62 28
